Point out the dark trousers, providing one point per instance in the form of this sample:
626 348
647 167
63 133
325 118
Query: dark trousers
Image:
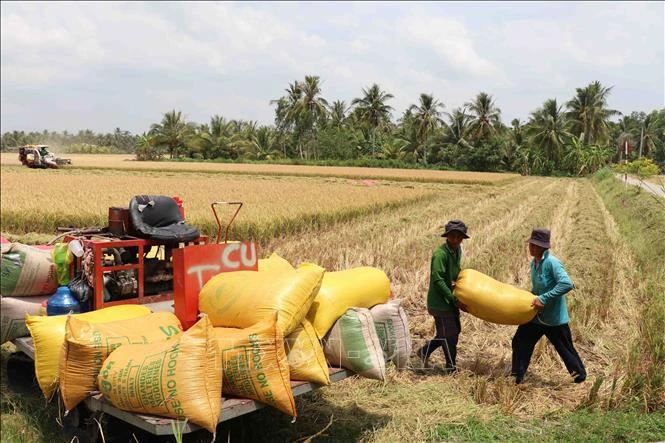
447 334
525 340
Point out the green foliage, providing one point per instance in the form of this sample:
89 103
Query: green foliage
575 138
578 426
642 167
641 220
85 148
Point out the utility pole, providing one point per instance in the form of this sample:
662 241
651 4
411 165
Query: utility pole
641 139
625 171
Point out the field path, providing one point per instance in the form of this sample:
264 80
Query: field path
651 187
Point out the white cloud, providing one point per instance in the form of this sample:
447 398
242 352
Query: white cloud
448 38
233 58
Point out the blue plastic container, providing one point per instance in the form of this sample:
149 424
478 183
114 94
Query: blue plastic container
62 302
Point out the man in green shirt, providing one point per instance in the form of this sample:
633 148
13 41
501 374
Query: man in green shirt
441 304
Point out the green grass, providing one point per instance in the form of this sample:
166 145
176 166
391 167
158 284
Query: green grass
578 426
641 220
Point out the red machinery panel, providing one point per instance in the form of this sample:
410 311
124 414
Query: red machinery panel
193 266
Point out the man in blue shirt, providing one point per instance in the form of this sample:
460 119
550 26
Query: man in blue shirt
550 283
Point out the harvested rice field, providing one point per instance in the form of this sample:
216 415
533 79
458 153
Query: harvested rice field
369 218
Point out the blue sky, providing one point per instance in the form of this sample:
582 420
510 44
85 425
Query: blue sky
104 65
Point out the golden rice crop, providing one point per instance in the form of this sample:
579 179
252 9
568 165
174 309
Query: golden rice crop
41 200
111 161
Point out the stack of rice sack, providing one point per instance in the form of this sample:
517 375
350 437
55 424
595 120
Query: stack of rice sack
27 279
354 336
323 316
255 315
140 361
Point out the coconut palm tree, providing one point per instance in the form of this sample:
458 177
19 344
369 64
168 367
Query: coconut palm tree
372 110
427 118
173 132
262 145
650 133
547 131
337 112
485 116
220 139
588 114
458 129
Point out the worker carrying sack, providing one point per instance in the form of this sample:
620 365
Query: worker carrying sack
307 362
87 345
255 365
243 298
48 335
353 343
179 378
392 327
361 287
493 301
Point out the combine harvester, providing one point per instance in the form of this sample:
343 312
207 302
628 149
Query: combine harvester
39 157
161 263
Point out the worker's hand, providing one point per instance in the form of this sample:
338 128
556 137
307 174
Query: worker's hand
537 304
453 284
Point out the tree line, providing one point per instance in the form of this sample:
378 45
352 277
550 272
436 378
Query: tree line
575 137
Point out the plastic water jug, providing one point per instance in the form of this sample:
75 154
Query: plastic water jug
62 302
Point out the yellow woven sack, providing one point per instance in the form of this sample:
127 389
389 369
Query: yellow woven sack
179 378
275 263
493 301
255 365
48 335
361 287
87 345
307 361
242 298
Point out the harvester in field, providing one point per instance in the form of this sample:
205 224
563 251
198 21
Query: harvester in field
39 157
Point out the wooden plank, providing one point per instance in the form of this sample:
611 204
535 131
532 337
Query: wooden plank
25 345
231 408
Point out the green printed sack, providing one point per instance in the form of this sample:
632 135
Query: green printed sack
178 378
392 327
87 345
255 364
354 344
61 259
26 271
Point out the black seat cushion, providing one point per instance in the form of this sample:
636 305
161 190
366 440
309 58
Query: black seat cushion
157 217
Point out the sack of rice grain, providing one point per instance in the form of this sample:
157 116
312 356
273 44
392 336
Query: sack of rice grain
392 327
353 343
180 378
307 362
12 314
361 287
255 364
87 345
493 301
48 334
26 271
243 298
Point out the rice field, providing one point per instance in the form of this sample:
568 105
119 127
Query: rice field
128 162
341 223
